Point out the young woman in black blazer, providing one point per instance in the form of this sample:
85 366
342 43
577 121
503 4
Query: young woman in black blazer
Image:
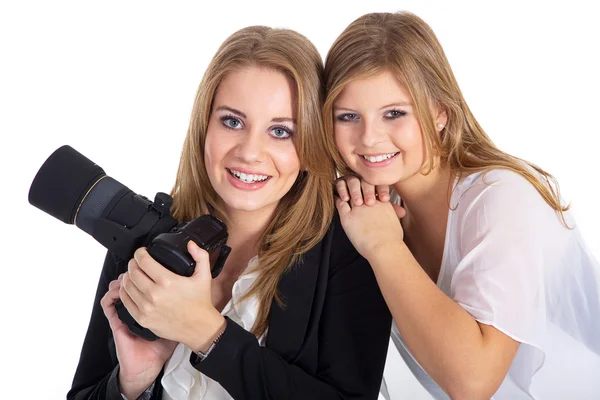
296 312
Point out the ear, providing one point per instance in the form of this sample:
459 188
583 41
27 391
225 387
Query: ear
441 119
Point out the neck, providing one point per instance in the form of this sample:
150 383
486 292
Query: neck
245 229
422 195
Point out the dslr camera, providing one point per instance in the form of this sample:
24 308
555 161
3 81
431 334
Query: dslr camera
77 191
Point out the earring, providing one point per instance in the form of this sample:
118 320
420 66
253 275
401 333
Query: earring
440 126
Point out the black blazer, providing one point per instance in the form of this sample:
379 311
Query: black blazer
329 341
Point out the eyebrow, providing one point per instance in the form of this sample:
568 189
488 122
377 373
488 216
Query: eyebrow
241 114
284 119
232 110
401 103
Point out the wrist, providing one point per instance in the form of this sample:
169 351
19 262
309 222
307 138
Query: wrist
383 254
132 389
212 329
145 395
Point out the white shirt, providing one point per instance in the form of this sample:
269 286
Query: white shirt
181 381
510 262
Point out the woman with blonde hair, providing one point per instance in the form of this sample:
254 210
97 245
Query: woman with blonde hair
492 290
296 312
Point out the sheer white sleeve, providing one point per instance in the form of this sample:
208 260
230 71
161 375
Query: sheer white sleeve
508 239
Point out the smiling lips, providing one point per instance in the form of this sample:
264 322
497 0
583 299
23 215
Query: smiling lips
378 160
246 180
248 177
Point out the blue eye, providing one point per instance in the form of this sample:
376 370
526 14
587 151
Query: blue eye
280 132
394 114
231 122
348 117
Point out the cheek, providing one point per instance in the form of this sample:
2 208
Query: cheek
407 135
216 147
209 155
286 160
343 137
343 143
409 139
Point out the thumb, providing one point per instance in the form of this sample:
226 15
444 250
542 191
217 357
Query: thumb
199 255
400 211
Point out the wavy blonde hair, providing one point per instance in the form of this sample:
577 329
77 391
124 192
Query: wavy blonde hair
304 214
405 45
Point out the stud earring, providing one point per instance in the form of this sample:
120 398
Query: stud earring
440 126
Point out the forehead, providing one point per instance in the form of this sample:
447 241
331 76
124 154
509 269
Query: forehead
381 88
257 90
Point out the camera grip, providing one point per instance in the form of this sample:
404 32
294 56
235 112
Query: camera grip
175 259
176 262
170 250
132 324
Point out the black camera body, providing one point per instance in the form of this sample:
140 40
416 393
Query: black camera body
208 232
170 250
76 191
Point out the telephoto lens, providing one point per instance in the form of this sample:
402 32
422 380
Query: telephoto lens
75 190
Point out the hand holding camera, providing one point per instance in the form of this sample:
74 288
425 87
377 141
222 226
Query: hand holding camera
170 305
140 360
77 191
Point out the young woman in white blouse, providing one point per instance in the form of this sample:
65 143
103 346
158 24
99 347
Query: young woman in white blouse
275 323
492 290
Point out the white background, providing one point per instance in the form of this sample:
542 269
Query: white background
116 80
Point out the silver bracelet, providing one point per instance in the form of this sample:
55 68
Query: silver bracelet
202 356
146 395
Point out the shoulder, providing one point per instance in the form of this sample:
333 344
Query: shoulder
502 181
497 192
337 261
338 236
342 254
335 250
504 207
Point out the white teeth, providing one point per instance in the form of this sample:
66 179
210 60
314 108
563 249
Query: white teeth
248 178
379 158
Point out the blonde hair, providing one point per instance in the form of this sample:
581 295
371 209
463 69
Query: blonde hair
305 212
405 45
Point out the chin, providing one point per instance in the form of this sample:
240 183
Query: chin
377 182
244 204
239 205
380 178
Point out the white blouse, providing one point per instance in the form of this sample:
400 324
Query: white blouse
510 262
181 381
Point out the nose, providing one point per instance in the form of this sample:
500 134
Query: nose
251 147
370 134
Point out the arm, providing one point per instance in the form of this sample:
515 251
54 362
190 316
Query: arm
114 363
353 339
97 372
466 358
468 340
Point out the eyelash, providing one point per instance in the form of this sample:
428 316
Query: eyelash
343 117
285 129
230 117
398 114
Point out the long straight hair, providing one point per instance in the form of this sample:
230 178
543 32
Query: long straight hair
405 45
303 215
